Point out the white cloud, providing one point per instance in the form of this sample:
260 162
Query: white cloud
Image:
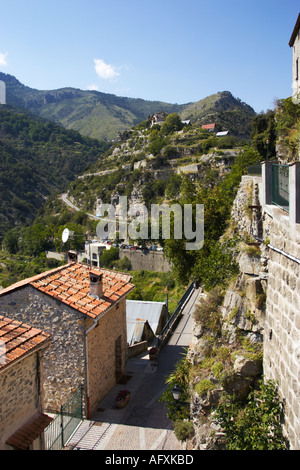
93 87
104 70
3 60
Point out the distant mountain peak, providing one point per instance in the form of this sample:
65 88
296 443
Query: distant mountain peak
104 116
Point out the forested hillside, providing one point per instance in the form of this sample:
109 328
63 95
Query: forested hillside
227 112
174 162
169 163
92 113
37 157
104 116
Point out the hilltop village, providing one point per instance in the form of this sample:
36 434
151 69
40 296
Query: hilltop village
83 310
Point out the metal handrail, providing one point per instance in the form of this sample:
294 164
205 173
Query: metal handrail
181 303
64 424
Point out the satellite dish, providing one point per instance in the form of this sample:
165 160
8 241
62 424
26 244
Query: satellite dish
65 235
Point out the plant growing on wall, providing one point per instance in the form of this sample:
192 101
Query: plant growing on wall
180 376
255 425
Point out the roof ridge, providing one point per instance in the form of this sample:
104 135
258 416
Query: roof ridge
28 280
295 31
70 285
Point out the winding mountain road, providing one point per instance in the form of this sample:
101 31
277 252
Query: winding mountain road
67 201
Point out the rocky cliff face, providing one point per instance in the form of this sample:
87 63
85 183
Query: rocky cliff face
226 352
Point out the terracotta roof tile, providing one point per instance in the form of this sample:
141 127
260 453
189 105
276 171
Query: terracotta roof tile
70 284
16 339
29 431
25 282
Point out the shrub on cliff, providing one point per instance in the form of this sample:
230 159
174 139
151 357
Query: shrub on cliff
183 430
207 312
256 424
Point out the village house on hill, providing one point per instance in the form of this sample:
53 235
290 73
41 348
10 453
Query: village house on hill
158 119
209 127
84 310
22 421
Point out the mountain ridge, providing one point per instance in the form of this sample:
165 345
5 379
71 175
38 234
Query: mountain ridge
103 116
37 157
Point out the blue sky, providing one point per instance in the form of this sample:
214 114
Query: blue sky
169 50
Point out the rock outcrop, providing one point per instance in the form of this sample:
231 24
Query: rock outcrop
226 354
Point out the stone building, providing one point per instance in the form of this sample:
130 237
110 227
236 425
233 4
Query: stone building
278 231
295 44
22 420
158 118
84 310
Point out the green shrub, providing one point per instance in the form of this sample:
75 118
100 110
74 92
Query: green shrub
183 430
217 369
204 386
207 312
123 264
255 425
108 257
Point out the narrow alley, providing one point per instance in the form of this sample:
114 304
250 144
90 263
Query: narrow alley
142 424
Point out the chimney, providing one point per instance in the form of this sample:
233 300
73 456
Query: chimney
72 257
96 284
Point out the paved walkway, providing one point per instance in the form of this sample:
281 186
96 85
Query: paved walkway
142 424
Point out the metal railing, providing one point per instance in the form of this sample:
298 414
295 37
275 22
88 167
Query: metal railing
254 170
181 304
64 424
280 186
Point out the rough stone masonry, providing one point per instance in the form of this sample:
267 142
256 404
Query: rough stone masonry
282 323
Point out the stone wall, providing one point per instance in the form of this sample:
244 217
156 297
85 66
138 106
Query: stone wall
282 326
19 397
66 364
262 305
149 261
106 368
64 360
281 258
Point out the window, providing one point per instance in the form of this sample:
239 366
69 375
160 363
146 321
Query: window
297 69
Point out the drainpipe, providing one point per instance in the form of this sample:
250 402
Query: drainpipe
87 366
291 257
281 252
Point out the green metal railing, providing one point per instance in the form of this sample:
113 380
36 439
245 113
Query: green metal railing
180 306
64 424
280 186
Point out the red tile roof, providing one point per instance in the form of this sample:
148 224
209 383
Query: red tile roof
70 285
209 126
29 431
17 339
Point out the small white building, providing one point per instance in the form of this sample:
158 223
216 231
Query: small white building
93 251
222 134
2 92
295 44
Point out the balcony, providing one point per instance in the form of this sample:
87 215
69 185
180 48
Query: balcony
281 187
